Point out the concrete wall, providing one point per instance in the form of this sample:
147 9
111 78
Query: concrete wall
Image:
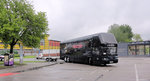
122 49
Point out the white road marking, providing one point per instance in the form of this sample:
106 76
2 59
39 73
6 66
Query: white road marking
136 72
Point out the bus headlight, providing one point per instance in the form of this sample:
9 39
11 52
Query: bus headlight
116 57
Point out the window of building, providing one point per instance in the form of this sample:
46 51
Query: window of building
147 49
140 49
42 43
131 50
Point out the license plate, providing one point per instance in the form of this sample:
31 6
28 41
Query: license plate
111 62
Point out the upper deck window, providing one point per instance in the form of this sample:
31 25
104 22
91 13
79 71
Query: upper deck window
107 38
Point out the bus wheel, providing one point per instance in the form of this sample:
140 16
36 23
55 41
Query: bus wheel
68 59
105 64
90 61
65 59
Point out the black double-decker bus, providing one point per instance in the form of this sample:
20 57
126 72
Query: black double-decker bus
94 49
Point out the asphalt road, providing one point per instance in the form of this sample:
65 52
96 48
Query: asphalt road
128 69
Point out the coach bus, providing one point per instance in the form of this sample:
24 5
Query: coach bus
94 49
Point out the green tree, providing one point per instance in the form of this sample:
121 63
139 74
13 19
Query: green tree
20 22
137 37
123 33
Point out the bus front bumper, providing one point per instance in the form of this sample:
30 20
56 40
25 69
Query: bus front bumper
109 61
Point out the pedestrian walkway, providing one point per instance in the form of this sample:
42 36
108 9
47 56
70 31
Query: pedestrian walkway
28 67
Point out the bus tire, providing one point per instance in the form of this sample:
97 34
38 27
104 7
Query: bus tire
68 59
90 61
105 64
65 59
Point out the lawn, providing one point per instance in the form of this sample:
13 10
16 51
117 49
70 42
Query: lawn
4 67
16 63
33 61
25 57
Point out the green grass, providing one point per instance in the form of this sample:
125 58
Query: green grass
16 63
1 62
25 57
34 61
5 67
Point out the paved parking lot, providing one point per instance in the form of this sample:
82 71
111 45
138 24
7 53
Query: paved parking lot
128 69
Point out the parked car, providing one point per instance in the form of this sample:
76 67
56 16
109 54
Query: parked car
1 57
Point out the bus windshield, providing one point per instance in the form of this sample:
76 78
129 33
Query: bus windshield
107 38
112 50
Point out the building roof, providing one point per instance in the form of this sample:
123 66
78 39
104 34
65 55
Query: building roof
139 43
54 40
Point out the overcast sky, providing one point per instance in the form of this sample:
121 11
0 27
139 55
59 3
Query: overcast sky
75 18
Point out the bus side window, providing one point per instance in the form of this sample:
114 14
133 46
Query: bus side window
90 44
96 42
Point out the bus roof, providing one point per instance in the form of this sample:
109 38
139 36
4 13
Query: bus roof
104 38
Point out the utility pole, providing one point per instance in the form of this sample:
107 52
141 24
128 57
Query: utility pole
21 54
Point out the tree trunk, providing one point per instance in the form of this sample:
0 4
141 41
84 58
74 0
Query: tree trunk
11 48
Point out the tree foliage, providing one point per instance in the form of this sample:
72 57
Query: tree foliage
19 22
123 33
137 37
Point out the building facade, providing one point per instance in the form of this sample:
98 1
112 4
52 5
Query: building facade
134 49
45 44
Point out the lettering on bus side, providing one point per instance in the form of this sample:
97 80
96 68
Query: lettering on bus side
77 46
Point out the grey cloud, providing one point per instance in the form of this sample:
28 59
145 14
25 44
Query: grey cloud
74 18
